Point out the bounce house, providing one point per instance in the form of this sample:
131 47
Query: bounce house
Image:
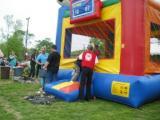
127 33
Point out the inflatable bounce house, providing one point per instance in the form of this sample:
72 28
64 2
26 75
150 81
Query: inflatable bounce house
127 33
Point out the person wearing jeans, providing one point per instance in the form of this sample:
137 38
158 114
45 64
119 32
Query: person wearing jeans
51 76
41 61
52 65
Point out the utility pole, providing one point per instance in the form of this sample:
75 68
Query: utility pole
26 41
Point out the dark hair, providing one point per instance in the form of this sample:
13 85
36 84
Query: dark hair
54 47
90 47
96 46
34 50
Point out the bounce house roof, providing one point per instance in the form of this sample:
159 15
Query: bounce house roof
153 3
97 30
105 2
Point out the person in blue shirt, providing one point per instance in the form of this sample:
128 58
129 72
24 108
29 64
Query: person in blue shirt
12 60
41 60
42 57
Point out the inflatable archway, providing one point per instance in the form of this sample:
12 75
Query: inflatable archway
128 34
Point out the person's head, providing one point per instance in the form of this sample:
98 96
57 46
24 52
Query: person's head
43 50
28 58
53 48
96 46
12 53
90 47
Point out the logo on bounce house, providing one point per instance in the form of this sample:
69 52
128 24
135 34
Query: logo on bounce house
83 10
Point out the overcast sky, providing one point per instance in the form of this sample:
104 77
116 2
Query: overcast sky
43 14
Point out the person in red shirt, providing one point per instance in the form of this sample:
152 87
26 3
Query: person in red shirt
89 59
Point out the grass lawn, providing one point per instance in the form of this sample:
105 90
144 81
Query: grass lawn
13 107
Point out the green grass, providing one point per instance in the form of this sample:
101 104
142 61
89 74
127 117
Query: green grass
13 107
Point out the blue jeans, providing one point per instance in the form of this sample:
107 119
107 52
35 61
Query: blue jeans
43 82
51 77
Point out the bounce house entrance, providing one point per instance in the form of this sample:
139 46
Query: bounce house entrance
101 35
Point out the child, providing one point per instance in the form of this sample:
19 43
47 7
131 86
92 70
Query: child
77 70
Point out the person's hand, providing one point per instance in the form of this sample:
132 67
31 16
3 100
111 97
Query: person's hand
44 67
40 64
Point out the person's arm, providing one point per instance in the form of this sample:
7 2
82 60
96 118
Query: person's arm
48 61
37 60
96 61
80 56
59 58
46 65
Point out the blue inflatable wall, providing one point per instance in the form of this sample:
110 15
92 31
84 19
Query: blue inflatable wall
64 74
130 90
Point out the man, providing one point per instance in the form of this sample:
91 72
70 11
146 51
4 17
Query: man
52 64
41 60
42 57
89 59
33 64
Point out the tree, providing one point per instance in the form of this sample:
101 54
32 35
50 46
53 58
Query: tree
18 25
11 26
3 47
9 23
13 37
2 35
44 43
15 44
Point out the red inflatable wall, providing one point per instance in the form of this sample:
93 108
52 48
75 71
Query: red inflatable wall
133 37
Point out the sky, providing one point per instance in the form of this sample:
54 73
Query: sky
43 16
79 42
